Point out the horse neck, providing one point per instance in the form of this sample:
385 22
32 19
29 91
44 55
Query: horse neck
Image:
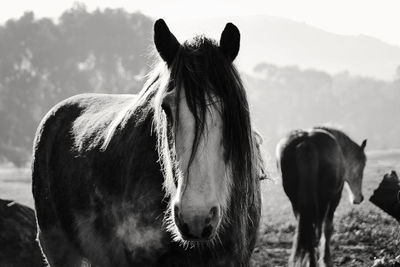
349 152
347 146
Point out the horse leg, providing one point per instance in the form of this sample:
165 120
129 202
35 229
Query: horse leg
293 255
325 252
328 229
57 248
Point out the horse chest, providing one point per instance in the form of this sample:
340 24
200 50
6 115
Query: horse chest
141 240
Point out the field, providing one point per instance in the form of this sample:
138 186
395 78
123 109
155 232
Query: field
362 233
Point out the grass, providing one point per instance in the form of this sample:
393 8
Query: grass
363 233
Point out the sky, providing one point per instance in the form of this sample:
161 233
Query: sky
376 18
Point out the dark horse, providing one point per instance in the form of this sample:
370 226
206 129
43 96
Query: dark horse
314 166
387 195
166 178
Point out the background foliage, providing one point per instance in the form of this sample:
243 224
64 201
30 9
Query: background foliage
109 51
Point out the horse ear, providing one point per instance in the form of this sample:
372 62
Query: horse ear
230 41
363 144
166 43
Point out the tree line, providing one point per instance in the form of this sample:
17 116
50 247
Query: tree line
43 62
286 98
109 51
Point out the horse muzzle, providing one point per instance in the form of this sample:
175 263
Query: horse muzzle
357 200
197 224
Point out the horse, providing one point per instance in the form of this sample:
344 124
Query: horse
314 165
168 177
387 195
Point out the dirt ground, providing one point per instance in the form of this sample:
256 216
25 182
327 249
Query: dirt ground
362 233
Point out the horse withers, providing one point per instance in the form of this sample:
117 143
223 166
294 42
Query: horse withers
314 165
169 177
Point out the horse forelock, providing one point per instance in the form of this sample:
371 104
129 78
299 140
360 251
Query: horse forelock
205 75
202 72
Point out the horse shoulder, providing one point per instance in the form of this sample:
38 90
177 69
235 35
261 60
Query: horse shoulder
44 144
47 130
58 124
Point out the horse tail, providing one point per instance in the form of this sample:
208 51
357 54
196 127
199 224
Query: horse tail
308 231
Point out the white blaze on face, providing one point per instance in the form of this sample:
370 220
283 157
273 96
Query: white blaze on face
203 190
354 184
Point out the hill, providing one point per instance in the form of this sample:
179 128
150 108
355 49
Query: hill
285 42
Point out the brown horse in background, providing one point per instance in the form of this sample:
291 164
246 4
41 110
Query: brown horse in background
314 165
166 178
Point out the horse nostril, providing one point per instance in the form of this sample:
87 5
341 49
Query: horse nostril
177 215
185 229
213 212
206 233
176 209
358 201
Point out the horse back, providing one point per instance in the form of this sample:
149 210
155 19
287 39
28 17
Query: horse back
328 160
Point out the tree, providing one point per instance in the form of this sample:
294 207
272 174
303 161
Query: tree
42 62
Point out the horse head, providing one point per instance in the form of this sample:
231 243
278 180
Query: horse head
209 141
355 173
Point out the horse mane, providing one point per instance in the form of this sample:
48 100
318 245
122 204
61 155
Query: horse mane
203 72
348 146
